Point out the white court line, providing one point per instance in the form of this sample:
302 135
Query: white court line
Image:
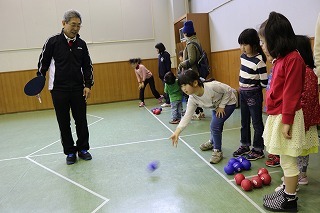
67 179
100 118
73 182
107 146
213 168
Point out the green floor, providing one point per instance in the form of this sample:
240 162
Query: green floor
124 139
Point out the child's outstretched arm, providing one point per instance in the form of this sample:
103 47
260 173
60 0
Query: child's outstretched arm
175 136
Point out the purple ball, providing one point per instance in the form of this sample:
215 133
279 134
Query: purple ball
228 169
232 161
153 166
241 158
246 165
237 166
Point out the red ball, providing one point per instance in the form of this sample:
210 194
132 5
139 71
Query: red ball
239 178
246 185
256 182
266 179
157 111
262 171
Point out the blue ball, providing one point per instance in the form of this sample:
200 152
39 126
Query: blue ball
232 161
246 165
237 166
153 166
241 158
228 169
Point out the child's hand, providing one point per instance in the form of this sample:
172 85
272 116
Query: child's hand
174 139
220 112
141 86
286 131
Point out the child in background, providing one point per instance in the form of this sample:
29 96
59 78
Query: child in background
173 89
282 134
164 66
144 77
252 79
214 95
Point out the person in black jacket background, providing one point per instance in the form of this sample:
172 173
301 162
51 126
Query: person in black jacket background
70 79
164 66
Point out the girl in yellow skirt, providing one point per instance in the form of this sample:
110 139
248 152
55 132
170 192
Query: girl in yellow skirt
282 134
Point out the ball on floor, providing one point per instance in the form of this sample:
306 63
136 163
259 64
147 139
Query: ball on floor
152 166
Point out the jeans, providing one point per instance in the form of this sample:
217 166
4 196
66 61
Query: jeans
176 110
216 126
251 108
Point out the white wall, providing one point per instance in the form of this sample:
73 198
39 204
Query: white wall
24 59
229 20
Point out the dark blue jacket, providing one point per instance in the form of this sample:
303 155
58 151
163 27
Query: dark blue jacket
164 64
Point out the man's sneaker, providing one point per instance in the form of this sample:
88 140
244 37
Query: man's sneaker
84 155
216 156
160 99
274 161
165 105
141 104
175 121
282 203
206 146
242 150
255 155
71 158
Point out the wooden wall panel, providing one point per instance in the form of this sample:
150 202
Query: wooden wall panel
114 81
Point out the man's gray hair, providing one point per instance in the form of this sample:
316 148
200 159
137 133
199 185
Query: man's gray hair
71 14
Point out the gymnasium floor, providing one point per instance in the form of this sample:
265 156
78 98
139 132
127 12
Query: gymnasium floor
124 140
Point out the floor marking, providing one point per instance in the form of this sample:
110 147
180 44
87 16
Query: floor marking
100 118
213 168
73 182
65 178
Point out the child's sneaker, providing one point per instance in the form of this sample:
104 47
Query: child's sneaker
270 156
242 150
206 146
165 105
160 99
141 104
273 162
303 180
195 117
202 115
282 203
175 121
282 186
216 156
255 155
278 192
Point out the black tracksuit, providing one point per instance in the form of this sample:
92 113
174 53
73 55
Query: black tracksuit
70 71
